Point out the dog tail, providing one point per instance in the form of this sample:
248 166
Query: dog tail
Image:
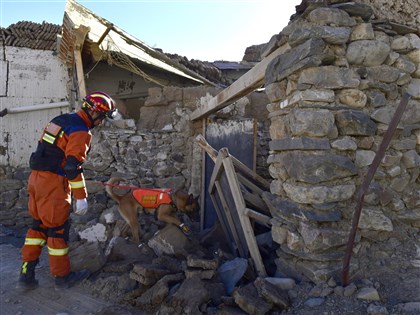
108 188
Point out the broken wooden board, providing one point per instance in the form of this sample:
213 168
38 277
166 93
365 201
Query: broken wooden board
236 218
237 194
80 35
240 138
247 83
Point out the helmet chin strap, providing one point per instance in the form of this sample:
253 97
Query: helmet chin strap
92 120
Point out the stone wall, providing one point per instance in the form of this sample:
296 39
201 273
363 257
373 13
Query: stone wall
405 12
158 150
333 94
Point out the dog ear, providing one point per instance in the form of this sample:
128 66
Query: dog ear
190 199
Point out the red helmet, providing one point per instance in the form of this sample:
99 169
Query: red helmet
100 102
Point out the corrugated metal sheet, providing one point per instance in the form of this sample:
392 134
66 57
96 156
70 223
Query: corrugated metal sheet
116 40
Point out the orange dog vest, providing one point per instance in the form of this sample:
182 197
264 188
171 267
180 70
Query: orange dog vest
152 198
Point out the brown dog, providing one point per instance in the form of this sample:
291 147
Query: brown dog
161 202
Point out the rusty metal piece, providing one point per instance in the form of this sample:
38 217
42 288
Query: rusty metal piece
365 185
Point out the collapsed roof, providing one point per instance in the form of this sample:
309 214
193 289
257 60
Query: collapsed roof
99 39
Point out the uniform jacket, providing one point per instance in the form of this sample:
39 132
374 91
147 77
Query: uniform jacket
71 133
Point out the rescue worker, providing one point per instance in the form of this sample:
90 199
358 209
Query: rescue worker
56 176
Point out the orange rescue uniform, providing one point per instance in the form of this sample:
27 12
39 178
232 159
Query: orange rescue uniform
50 190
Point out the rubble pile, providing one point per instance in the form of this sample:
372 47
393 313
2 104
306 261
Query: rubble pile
170 273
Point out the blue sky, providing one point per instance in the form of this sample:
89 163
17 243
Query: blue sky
207 30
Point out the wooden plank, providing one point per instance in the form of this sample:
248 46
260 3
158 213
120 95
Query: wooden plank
241 211
230 222
250 185
203 180
258 216
225 217
254 167
80 75
247 171
218 169
201 141
108 29
255 202
222 221
247 83
80 35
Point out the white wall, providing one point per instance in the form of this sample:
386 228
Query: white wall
29 77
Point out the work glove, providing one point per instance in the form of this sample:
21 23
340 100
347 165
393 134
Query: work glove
81 206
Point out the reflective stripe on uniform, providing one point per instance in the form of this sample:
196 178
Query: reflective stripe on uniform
25 267
58 252
48 138
79 184
34 241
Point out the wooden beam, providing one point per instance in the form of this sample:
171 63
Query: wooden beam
266 220
250 185
225 217
80 75
233 231
217 171
241 210
201 141
108 29
203 181
247 83
255 202
248 172
80 35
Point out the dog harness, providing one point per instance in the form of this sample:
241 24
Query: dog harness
152 198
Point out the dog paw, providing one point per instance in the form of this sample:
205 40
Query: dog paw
185 229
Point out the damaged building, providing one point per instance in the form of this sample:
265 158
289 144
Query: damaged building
282 150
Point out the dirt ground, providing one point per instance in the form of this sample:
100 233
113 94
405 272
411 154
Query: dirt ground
44 300
398 290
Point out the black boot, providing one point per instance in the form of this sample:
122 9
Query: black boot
27 279
71 279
